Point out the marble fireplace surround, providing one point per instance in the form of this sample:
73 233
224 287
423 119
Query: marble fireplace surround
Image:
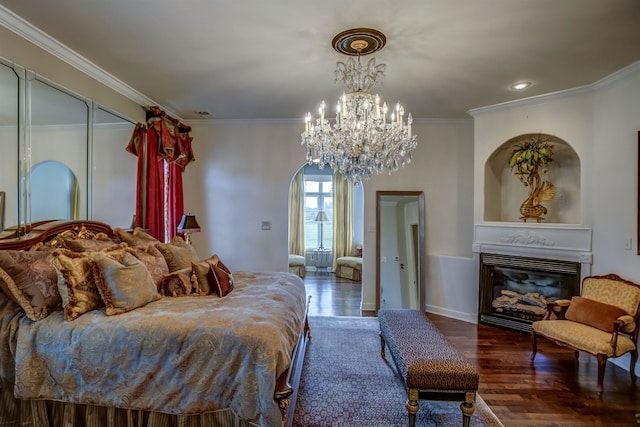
547 241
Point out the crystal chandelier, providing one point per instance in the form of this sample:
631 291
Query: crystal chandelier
366 137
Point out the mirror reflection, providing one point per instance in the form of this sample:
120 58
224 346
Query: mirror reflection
400 247
9 145
55 193
59 133
114 170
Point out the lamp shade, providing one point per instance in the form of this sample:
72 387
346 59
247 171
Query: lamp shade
321 217
188 224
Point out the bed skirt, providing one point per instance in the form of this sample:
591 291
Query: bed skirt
46 413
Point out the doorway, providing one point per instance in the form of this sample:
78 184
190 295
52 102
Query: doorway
314 204
400 266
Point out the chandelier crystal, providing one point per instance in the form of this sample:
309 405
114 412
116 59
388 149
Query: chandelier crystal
367 137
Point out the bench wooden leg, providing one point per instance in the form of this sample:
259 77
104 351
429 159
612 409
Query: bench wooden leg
382 344
468 407
412 405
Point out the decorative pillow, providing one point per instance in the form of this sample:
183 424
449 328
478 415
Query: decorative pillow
76 283
201 273
124 286
153 259
176 255
221 278
593 313
357 250
91 245
138 237
176 283
30 280
216 261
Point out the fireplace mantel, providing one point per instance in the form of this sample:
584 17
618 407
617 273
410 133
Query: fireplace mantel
549 241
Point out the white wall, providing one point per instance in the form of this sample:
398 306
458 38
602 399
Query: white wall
240 178
242 173
601 124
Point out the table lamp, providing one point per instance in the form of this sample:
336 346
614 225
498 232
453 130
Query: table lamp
188 225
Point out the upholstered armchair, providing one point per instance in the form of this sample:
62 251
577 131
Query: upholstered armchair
603 321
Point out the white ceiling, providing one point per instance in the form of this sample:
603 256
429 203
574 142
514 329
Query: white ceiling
272 59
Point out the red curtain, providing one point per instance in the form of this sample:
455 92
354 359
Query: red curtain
163 148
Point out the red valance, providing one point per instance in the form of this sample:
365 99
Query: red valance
163 148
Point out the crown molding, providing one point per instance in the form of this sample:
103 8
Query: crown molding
533 100
545 97
34 35
617 75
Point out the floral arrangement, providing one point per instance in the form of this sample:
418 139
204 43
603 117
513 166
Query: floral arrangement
530 155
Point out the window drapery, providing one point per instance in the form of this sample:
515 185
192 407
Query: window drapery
163 148
342 217
296 215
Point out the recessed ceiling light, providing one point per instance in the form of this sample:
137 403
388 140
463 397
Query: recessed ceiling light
520 85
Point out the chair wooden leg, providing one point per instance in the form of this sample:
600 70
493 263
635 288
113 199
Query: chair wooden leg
602 364
632 366
576 353
534 345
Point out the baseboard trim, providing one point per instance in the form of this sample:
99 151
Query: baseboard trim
459 315
367 306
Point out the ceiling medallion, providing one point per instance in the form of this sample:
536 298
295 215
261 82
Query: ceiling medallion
366 137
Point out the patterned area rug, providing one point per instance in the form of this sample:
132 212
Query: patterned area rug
346 383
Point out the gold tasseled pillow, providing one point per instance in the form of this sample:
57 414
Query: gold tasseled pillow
76 283
177 283
138 237
177 254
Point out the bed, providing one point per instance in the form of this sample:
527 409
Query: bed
296 265
192 356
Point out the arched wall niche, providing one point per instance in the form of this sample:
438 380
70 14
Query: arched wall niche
504 193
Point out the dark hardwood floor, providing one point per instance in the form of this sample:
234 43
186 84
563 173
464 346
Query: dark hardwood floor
554 390
332 296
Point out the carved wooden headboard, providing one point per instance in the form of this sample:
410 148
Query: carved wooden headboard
46 230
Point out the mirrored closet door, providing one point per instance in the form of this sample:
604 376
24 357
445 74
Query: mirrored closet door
63 156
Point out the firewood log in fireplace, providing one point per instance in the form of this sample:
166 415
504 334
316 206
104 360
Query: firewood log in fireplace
531 302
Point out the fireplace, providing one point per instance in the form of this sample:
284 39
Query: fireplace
514 290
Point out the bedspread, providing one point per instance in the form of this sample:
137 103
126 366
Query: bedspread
184 355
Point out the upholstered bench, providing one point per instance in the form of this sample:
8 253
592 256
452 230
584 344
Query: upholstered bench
430 366
349 267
